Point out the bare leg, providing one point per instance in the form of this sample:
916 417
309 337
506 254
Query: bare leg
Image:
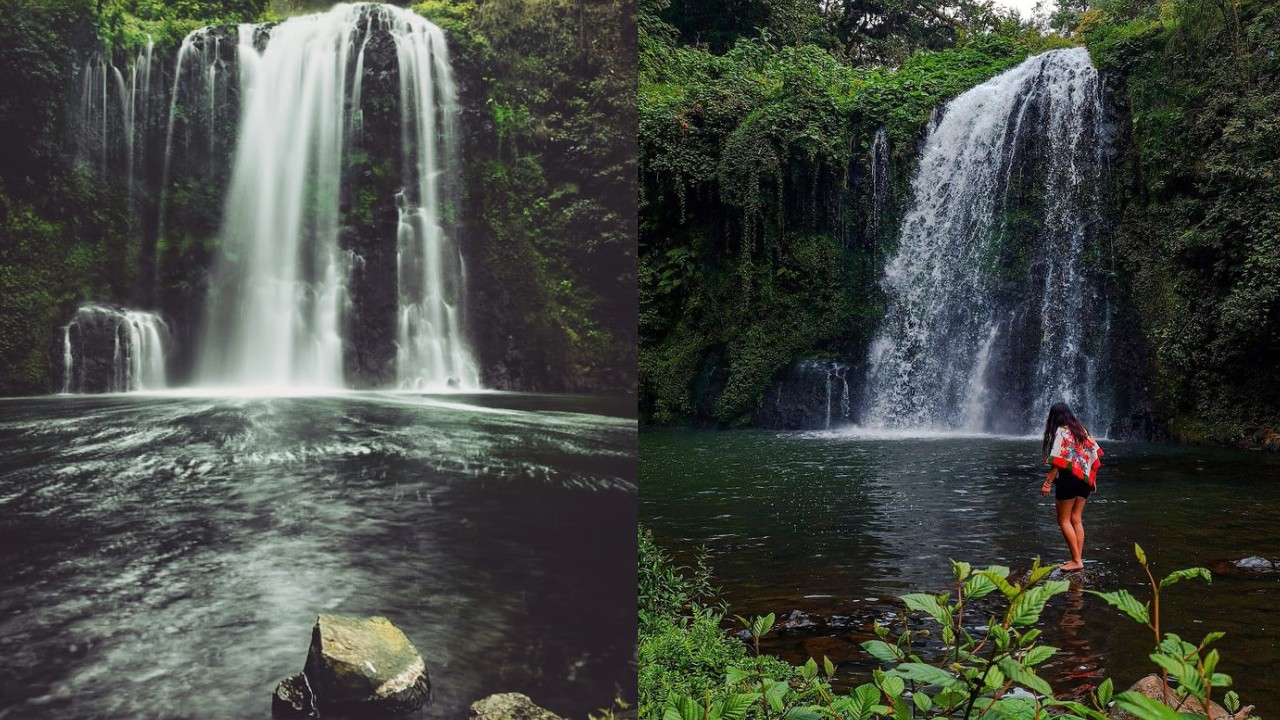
1077 523
1064 508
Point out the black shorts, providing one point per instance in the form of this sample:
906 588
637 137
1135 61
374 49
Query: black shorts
1067 486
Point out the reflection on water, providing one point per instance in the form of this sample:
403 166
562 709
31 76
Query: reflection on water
837 525
166 556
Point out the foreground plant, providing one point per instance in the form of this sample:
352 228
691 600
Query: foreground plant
986 670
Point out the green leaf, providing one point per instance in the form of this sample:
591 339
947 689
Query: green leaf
735 675
961 570
1126 603
809 670
1145 708
828 667
1186 574
682 708
735 707
803 713
1186 674
1023 676
922 702
1039 654
1210 638
901 710
1137 550
927 674
883 651
1027 607
926 603
1231 701
1105 691
999 581
862 700
1001 636
892 685
978 586
762 625
774 692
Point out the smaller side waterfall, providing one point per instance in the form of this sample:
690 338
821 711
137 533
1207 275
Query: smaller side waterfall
115 106
107 349
809 395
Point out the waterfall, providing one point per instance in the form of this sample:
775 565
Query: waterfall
994 302
281 306
113 127
107 349
879 188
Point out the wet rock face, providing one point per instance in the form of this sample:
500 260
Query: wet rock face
811 395
510 706
356 667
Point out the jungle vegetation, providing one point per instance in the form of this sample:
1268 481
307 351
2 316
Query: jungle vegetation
760 241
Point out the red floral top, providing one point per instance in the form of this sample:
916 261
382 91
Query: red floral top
1082 458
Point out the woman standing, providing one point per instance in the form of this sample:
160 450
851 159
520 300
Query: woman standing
1073 458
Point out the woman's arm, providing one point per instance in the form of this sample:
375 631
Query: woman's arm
1048 480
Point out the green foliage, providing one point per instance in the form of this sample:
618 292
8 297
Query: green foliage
981 669
553 182
755 247
1199 201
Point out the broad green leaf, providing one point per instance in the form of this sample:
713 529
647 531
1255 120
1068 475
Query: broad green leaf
1126 603
882 651
1001 636
1220 680
927 674
1023 676
1028 637
762 625
828 667
892 685
922 702
1027 607
926 603
1186 574
1231 701
1145 708
994 679
901 709
682 708
1013 708
735 675
1039 574
1105 690
803 713
735 707
978 586
961 570
809 670
774 692
862 700
1186 674
999 581
1039 654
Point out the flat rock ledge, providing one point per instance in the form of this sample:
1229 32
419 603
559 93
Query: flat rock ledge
356 667
510 706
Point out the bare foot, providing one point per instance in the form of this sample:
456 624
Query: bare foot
1071 566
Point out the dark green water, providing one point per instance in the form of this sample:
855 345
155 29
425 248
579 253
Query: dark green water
839 524
165 556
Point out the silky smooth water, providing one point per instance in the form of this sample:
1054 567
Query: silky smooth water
839 524
166 555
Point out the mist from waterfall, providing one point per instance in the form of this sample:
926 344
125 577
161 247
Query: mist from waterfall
994 301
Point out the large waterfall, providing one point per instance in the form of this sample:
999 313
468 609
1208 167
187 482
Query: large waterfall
281 310
994 302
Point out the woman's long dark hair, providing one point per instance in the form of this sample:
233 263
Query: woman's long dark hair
1060 415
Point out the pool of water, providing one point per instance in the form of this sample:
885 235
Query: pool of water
166 555
838 524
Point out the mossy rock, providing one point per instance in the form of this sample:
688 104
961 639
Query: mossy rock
364 667
510 706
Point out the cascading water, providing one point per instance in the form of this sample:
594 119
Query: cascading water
995 308
282 303
107 349
114 115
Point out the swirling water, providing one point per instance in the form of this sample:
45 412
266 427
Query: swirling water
839 524
166 555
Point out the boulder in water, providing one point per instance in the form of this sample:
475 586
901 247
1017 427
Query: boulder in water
364 667
1253 562
1150 686
510 706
